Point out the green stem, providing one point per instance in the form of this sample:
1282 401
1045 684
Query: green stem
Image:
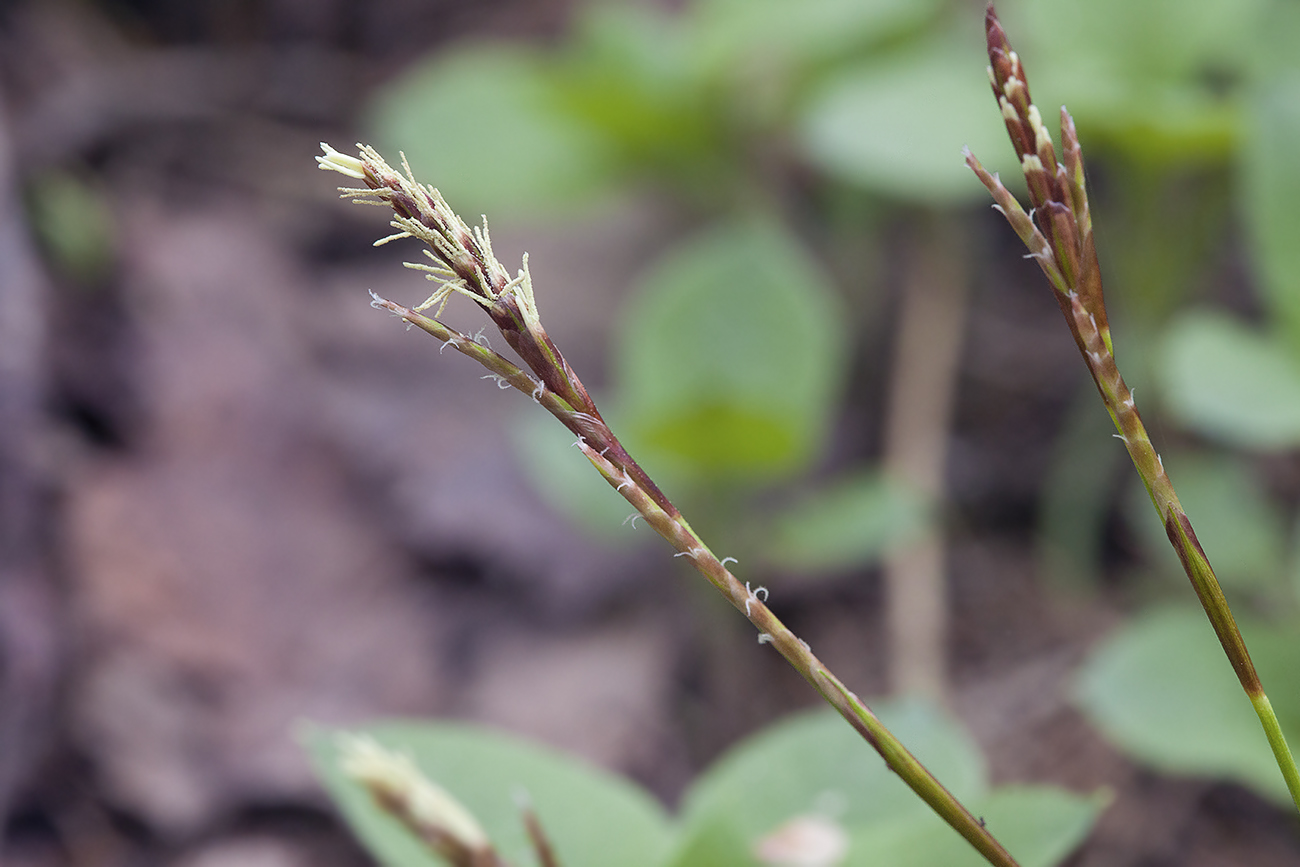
801 658
1119 402
1059 235
1276 740
674 528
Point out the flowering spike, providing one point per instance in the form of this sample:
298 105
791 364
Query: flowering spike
1058 233
1019 220
421 212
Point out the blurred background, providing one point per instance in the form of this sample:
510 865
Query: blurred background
234 499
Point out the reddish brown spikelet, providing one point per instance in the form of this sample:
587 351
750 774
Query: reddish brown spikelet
1056 185
1009 85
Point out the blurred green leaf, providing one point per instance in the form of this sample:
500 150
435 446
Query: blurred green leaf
1177 38
849 524
1154 121
1161 78
1038 825
732 355
628 73
1161 689
1230 382
814 763
1243 534
1273 50
486 125
1270 189
73 222
593 819
1162 241
811 765
778 34
898 127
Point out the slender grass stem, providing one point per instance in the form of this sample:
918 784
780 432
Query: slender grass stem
463 263
1058 233
673 527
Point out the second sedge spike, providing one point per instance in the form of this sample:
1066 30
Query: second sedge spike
1058 196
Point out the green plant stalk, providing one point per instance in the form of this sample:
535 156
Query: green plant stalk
1058 233
463 263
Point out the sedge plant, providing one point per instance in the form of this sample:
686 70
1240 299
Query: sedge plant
1058 233
461 262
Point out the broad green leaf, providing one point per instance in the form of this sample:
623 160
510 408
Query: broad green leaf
1273 48
1161 689
628 73
1183 38
731 358
848 524
814 763
1270 189
758 35
1039 825
1160 78
484 125
1153 120
1242 533
592 818
898 127
1230 382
